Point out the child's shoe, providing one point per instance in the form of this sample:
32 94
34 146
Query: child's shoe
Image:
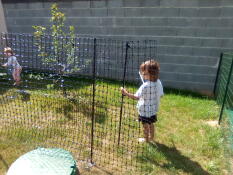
141 140
17 83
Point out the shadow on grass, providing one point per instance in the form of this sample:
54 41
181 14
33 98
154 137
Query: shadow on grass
174 159
43 81
7 84
4 83
85 106
186 93
4 162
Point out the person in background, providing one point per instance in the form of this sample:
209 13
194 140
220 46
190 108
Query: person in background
14 64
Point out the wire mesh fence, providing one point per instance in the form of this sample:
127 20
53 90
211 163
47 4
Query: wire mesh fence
224 97
70 98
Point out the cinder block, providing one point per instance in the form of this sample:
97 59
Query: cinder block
193 86
149 3
132 3
63 4
47 4
87 30
215 32
160 12
122 21
227 11
11 13
11 21
140 21
32 21
28 13
98 4
166 40
188 59
116 12
8 5
78 12
209 3
187 22
21 5
81 4
182 68
226 3
188 12
169 3
176 50
132 12
209 12
189 77
107 22
227 43
185 3
204 32
99 12
186 32
212 42
193 41
82 21
114 3
157 31
154 21
35 5
179 3
16 29
179 22
218 22
207 51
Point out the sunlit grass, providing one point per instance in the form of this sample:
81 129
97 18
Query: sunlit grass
185 143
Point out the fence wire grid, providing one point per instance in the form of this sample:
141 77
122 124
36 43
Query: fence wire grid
224 96
70 98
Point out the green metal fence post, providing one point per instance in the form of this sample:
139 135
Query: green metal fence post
225 95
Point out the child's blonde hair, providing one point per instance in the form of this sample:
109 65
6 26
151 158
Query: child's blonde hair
152 68
8 50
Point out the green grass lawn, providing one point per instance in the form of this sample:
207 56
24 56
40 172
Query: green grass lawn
48 117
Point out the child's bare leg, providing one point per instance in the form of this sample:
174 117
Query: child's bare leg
152 130
18 79
146 130
16 76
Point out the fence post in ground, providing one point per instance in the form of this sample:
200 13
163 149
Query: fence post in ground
93 100
123 85
225 94
217 75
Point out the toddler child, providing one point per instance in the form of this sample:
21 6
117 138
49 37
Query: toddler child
148 96
14 64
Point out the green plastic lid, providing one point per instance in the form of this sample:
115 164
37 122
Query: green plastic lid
44 161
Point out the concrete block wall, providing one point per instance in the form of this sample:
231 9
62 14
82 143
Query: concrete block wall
191 34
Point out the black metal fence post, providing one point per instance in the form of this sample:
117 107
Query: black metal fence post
225 95
217 75
93 100
123 85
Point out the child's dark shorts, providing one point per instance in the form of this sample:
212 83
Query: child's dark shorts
149 120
